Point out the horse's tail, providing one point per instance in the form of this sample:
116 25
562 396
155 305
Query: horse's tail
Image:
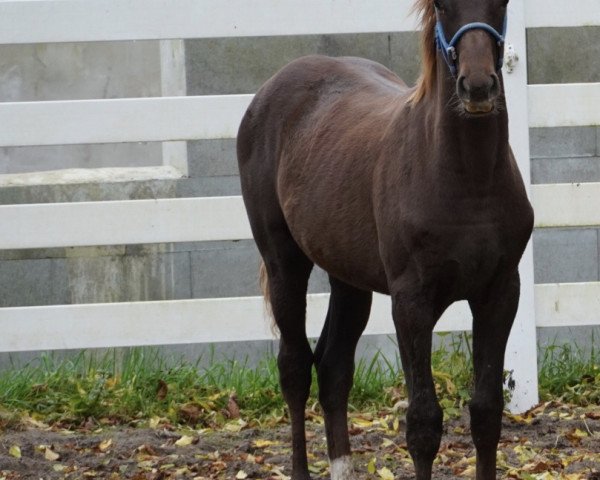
264 287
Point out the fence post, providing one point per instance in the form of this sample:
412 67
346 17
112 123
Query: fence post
173 83
521 353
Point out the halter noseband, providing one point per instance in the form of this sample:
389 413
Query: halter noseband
448 49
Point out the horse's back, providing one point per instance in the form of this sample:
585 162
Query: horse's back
314 78
305 87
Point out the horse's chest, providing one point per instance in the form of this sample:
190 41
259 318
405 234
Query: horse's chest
460 258
477 250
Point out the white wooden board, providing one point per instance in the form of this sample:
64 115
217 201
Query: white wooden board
566 205
41 21
239 319
122 222
121 120
218 116
173 322
562 13
564 105
214 218
567 304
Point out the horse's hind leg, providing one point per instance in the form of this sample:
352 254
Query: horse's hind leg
492 320
288 270
346 319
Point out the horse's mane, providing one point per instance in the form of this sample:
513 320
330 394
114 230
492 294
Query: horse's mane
426 81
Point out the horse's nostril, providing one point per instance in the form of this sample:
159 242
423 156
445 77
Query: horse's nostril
495 88
461 85
478 87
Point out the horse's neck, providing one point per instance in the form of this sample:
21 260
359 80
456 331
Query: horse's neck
473 148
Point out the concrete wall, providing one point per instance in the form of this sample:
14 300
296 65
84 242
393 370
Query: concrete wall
223 66
75 71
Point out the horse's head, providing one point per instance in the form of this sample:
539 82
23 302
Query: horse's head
470 37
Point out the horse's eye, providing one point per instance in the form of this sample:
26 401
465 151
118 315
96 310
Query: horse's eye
438 4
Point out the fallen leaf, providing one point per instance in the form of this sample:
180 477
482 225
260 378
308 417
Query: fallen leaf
386 442
536 467
51 455
236 426
523 420
105 445
468 472
371 467
232 407
385 473
278 474
264 443
15 451
147 450
154 421
184 441
190 413
400 405
162 390
241 475
362 422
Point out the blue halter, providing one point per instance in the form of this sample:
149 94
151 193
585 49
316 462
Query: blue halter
448 49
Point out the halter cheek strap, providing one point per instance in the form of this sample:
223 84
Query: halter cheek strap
448 49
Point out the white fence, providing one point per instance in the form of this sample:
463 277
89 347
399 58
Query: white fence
196 219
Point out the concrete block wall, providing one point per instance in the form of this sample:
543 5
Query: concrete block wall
226 66
563 155
77 71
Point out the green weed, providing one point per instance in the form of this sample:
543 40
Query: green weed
566 373
138 384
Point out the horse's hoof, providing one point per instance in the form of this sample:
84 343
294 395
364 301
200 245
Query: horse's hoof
301 476
342 469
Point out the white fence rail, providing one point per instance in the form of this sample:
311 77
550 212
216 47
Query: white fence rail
188 118
45 21
558 13
123 222
564 105
121 120
69 20
218 116
215 218
239 319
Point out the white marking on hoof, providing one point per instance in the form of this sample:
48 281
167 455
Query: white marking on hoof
342 469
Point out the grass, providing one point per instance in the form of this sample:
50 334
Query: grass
140 384
569 374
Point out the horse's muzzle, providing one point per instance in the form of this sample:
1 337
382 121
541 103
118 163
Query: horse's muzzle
478 92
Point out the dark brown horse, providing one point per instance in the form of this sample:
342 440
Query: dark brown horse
412 192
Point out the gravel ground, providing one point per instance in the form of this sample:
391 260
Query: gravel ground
552 442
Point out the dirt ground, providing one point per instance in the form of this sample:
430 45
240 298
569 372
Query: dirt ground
552 442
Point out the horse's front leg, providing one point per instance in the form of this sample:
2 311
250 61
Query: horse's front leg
493 316
414 320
